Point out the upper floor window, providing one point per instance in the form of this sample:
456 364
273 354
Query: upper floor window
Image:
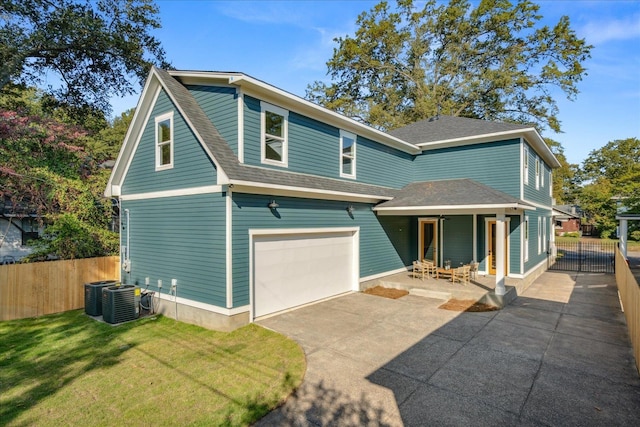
550 184
164 141
274 144
542 173
537 173
525 162
347 154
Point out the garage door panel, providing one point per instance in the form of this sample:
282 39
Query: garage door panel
291 270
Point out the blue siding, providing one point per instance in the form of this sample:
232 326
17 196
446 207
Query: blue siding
541 194
534 257
191 165
495 164
314 148
458 239
221 106
384 245
179 238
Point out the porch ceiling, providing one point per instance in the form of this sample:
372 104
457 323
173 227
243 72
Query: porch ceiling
452 196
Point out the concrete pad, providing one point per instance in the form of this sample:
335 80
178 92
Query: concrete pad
518 340
538 304
433 406
496 378
597 311
463 327
564 397
527 316
607 330
593 357
425 358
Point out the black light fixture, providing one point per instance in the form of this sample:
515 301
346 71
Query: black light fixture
273 205
350 209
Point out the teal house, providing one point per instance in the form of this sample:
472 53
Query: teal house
239 200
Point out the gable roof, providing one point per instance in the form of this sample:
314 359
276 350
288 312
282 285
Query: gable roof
451 195
447 131
230 170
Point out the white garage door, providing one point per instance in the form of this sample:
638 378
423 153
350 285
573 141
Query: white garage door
291 270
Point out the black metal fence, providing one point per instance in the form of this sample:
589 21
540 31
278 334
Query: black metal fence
587 256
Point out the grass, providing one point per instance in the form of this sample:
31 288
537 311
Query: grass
632 245
68 369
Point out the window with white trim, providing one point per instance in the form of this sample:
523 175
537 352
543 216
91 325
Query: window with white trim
544 234
544 171
526 238
539 235
537 173
164 141
525 162
347 154
550 184
274 144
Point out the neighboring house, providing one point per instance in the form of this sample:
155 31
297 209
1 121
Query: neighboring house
16 229
252 200
567 219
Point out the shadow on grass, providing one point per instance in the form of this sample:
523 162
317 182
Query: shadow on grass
318 404
41 355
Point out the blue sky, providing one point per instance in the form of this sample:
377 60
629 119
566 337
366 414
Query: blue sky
287 44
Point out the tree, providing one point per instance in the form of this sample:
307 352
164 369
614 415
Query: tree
95 48
566 182
612 175
491 62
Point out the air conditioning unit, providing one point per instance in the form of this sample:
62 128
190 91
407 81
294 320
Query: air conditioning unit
120 303
93 296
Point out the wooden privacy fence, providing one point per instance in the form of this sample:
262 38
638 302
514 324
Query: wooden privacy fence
630 298
36 289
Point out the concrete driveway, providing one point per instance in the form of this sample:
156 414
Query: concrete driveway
558 355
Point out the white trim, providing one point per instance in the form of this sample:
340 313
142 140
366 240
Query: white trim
229 246
352 136
474 252
157 120
538 172
539 205
437 232
386 273
525 238
510 209
286 190
526 165
204 306
539 235
550 183
265 106
523 244
240 125
507 221
174 193
257 232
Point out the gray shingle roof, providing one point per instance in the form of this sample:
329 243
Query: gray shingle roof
450 192
448 127
223 155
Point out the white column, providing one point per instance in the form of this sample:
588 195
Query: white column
500 253
623 237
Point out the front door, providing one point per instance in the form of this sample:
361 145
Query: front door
491 247
428 240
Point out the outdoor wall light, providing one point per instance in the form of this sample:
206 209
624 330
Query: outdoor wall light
350 209
273 205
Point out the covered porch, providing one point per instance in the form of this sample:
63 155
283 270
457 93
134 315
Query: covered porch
460 221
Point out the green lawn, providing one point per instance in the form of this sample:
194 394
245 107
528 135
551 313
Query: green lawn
68 369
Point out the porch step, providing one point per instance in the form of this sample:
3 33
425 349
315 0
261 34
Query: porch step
430 294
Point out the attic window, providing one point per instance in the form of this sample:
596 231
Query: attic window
347 154
274 147
164 141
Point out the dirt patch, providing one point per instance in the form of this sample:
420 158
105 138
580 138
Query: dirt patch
468 305
386 292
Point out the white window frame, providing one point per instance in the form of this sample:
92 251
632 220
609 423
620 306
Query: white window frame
537 173
539 235
264 107
352 136
550 183
526 165
543 171
159 119
544 234
526 238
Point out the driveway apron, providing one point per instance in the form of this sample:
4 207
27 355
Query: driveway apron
557 355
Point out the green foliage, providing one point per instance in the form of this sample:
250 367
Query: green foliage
68 237
494 61
612 174
95 48
635 235
566 182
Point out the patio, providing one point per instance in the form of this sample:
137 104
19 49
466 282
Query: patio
480 289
